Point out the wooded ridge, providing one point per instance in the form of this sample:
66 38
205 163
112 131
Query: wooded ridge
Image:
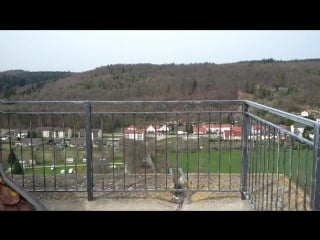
289 85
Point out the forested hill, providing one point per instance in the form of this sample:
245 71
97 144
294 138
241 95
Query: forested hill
288 85
24 82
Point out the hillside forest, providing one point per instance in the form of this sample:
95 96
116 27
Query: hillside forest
288 85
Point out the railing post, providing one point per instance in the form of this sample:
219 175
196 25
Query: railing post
244 159
315 184
87 109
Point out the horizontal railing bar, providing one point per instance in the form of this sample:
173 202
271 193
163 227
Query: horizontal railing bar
284 114
41 113
250 103
124 102
278 112
166 190
135 190
122 112
57 190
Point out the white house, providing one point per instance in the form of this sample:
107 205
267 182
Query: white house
297 129
150 129
304 114
157 128
22 134
48 132
136 134
163 128
217 128
95 133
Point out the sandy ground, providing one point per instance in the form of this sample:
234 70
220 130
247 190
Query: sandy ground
126 204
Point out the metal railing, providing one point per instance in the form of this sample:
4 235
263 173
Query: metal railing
163 146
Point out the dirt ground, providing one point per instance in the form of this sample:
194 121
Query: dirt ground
148 202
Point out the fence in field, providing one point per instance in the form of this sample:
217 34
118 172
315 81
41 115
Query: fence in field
269 156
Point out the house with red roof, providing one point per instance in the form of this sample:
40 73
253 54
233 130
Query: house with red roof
201 130
233 134
138 134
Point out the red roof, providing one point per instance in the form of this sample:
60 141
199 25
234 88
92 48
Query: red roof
201 129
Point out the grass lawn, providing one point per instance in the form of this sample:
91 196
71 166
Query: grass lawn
222 161
46 170
297 164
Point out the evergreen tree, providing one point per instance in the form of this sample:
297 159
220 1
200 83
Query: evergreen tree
16 167
12 158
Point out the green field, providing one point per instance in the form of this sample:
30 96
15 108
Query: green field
222 161
295 164
48 170
193 160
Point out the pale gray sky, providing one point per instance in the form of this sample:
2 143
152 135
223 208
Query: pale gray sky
77 51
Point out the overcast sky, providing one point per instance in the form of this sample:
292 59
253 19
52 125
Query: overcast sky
78 51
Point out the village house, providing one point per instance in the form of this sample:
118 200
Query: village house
297 129
181 130
22 133
201 130
151 128
164 128
304 114
49 132
217 128
95 133
157 128
232 134
137 134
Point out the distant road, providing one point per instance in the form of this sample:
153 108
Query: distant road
60 165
